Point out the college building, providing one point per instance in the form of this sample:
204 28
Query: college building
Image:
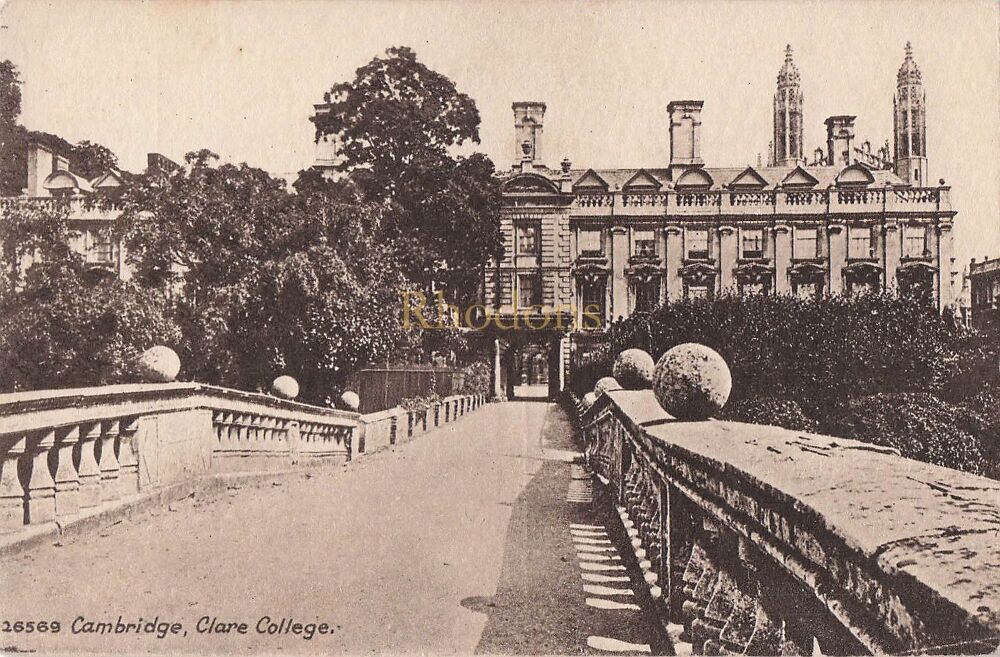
588 246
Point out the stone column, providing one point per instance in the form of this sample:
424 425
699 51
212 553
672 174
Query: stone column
675 260
11 490
782 258
727 259
946 294
619 284
837 257
495 363
891 252
41 493
67 482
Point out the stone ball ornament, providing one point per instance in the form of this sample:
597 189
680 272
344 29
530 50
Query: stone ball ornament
604 384
350 400
285 387
633 369
159 364
692 382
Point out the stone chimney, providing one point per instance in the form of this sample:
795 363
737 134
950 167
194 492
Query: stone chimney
41 163
839 140
685 134
529 118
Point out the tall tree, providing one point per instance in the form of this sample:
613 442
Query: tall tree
13 137
265 282
398 123
91 160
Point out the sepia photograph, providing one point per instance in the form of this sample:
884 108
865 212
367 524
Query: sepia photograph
499 327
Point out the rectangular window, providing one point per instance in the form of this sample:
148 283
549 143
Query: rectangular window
697 292
646 294
915 242
592 304
806 244
645 243
100 248
807 289
590 242
754 288
529 290
861 244
752 243
696 244
529 240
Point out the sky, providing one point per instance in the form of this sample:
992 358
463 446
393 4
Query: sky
240 77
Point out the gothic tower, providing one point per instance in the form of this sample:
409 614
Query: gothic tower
787 144
910 122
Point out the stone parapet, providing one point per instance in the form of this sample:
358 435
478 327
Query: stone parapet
67 454
762 540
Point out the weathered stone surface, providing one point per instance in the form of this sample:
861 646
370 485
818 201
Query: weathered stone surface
692 381
159 364
633 369
605 384
285 387
351 400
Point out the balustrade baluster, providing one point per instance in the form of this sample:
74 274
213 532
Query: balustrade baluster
128 475
87 468
41 493
67 481
109 462
12 492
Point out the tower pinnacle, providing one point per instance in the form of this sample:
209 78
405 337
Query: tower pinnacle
910 121
787 144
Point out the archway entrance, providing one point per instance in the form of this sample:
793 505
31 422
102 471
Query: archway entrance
528 366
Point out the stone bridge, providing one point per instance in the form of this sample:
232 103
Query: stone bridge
186 517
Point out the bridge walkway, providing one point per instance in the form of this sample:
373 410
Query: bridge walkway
467 539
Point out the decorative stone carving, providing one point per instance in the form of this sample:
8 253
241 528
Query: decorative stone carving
692 381
633 369
159 364
285 387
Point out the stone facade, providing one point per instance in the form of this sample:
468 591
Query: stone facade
984 288
617 241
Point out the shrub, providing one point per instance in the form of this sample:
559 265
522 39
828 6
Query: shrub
769 410
919 425
814 352
477 380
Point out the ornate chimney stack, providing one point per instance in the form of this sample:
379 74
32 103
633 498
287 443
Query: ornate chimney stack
529 117
787 145
685 135
839 139
910 122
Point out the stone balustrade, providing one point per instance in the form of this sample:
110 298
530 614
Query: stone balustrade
761 540
840 200
79 209
67 454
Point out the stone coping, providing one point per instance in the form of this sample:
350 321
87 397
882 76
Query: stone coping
929 530
41 409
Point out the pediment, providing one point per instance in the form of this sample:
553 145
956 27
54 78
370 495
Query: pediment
530 183
695 179
799 177
590 181
61 180
855 174
109 179
748 179
642 180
